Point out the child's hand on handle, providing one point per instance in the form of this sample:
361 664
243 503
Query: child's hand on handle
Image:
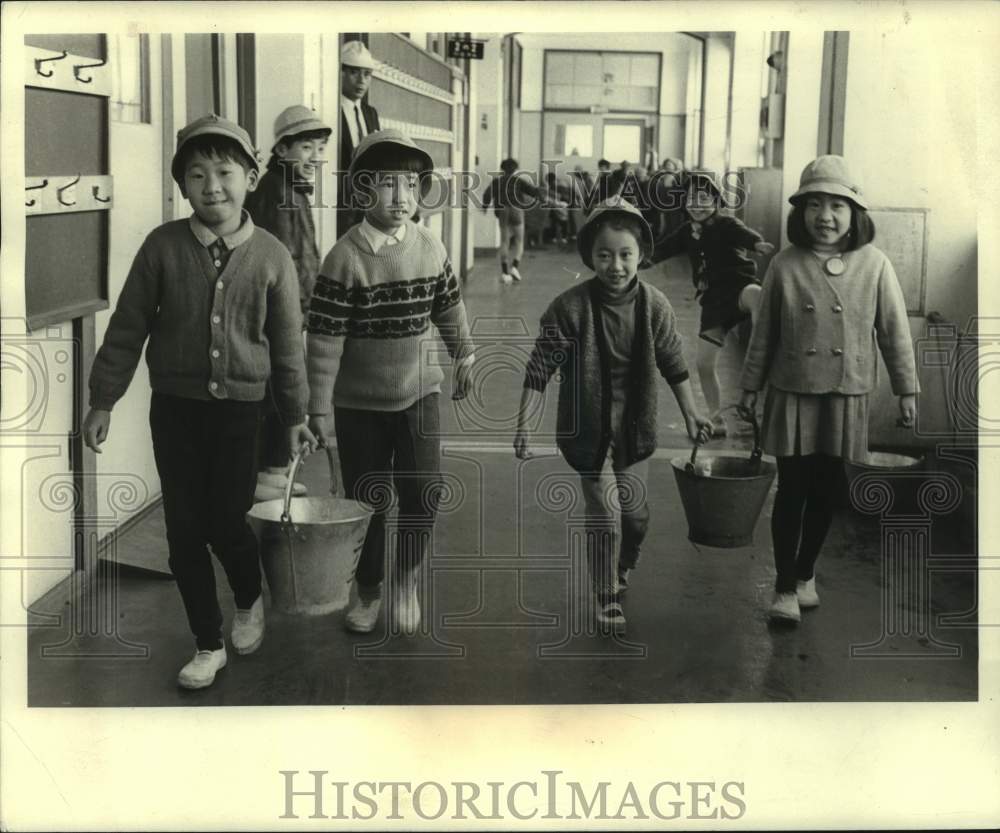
522 443
95 428
300 435
763 248
748 402
462 372
907 410
699 428
317 424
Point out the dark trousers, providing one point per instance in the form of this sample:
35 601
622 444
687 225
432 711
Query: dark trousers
206 456
274 451
803 511
382 449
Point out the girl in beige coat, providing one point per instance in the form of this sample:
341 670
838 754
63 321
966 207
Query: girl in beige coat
827 301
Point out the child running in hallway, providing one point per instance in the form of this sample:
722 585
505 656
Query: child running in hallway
827 300
720 268
218 300
611 336
381 287
510 194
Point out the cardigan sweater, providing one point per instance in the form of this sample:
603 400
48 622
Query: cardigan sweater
719 262
572 338
816 333
211 335
282 208
369 341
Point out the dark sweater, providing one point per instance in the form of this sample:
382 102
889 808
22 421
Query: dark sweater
572 338
283 209
249 314
719 262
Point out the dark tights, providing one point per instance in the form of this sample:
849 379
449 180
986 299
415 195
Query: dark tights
803 511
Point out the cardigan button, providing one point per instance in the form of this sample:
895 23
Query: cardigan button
219 285
837 351
213 385
809 308
811 351
216 319
215 354
838 308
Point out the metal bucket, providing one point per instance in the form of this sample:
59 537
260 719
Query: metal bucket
903 475
723 494
310 547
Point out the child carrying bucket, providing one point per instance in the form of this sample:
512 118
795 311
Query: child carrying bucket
826 300
611 336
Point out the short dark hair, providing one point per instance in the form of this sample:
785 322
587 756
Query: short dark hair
509 166
622 222
860 233
383 158
209 145
305 136
603 163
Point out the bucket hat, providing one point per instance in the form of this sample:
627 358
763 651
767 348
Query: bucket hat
398 139
355 54
829 175
615 206
205 125
296 119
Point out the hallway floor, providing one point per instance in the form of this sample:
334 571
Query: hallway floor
507 621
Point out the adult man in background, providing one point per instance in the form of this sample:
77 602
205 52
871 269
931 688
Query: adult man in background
357 120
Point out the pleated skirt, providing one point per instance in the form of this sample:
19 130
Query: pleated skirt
828 423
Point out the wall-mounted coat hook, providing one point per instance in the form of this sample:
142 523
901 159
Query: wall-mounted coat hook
59 191
40 61
78 67
41 184
97 194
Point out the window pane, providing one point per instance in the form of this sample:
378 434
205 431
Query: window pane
622 141
129 78
578 141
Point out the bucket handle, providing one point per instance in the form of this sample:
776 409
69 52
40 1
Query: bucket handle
747 416
286 516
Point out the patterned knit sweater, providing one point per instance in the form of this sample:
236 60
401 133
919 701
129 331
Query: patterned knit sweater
369 343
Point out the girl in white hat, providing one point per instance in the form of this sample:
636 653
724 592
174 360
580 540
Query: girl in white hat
826 301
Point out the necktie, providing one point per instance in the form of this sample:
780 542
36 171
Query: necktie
361 128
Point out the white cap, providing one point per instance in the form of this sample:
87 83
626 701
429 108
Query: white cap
355 54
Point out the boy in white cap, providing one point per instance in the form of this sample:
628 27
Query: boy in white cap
218 300
280 204
357 119
381 287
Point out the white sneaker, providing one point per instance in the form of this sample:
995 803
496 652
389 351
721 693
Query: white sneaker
362 617
806 593
262 493
280 481
506 279
786 607
406 605
248 628
514 273
610 617
200 671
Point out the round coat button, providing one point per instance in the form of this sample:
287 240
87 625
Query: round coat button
837 351
215 354
811 351
219 285
217 262
809 308
216 319
213 385
838 308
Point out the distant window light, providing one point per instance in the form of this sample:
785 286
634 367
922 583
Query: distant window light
129 78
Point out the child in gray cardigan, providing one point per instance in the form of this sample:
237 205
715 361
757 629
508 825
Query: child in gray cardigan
611 337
